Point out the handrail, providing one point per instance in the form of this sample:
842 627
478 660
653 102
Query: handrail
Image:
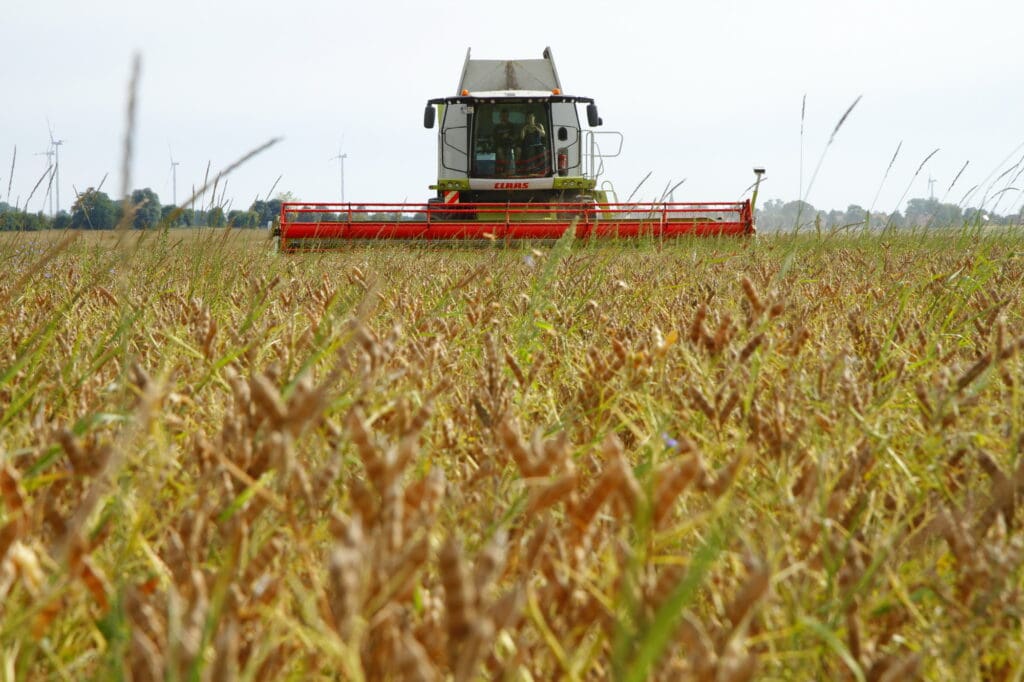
593 169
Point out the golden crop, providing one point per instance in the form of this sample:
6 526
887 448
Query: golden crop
790 457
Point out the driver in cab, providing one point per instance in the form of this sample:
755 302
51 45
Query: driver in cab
504 144
532 136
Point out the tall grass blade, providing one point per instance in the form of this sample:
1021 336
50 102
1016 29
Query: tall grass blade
652 642
885 175
10 180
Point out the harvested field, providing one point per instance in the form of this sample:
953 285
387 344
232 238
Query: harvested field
794 457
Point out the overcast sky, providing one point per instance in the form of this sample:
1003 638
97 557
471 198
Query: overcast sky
701 90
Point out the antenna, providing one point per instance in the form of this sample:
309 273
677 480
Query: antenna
174 177
340 158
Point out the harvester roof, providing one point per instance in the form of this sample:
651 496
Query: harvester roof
502 75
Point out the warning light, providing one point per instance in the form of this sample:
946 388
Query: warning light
556 91
465 92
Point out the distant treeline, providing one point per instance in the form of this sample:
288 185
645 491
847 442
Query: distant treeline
778 215
95 210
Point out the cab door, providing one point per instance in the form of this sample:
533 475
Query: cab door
453 141
566 139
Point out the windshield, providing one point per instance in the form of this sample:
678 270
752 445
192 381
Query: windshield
510 140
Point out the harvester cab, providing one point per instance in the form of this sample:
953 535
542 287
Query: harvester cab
511 134
513 163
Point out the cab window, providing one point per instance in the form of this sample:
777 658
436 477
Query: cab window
511 140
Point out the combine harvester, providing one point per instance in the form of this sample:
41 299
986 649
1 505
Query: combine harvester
514 163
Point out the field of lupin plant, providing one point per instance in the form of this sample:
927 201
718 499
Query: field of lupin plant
789 457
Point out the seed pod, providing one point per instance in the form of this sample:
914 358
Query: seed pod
488 564
724 476
752 591
752 295
419 419
513 443
73 451
267 397
391 509
459 598
481 633
807 483
144 659
702 658
506 611
551 494
423 496
10 532
413 663
728 407
672 479
344 572
225 660
27 564
373 462
536 544
11 491
621 355
669 578
363 501
702 403
609 480
107 296
554 453
751 346
722 334
737 668
95 581
260 564
306 405
402 580
973 372
406 453
697 326
853 635
516 371
327 476
904 669
630 491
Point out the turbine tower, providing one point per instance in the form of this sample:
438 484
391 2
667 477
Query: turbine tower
174 177
340 158
56 144
49 153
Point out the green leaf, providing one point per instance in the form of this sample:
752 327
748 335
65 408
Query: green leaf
834 643
652 642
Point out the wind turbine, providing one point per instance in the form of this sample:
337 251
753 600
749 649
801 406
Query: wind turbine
340 158
174 176
56 144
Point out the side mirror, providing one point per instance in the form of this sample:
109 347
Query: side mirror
593 120
428 116
563 134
